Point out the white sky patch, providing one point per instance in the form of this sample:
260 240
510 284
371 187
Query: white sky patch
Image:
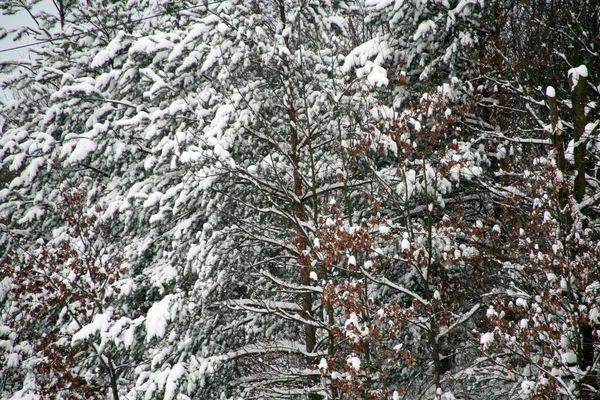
20 19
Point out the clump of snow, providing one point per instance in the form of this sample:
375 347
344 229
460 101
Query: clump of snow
378 76
448 396
582 71
317 244
174 376
82 149
405 245
550 92
527 387
354 329
384 230
486 340
575 73
378 4
524 323
323 367
569 358
520 302
424 28
99 324
365 52
375 74
157 318
313 276
13 360
354 362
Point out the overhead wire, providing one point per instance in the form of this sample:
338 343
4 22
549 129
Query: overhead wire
112 27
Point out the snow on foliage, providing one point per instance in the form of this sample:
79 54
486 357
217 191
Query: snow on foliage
280 199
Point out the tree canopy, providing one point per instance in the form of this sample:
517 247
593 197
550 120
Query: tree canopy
297 199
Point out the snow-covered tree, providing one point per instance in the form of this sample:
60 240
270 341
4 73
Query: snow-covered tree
546 315
64 326
309 199
210 150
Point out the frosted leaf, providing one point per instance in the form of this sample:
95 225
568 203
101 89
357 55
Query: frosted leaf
551 277
557 248
417 128
591 127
